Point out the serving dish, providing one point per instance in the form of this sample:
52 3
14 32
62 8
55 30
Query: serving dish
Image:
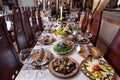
88 51
63 31
81 40
46 39
64 47
63 67
41 55
97 69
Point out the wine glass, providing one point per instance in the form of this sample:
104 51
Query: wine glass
37 35
41 63
23 56
88 34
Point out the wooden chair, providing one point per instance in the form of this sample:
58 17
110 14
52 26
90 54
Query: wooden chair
79 14
40 21
112 54
95 26
9 61
27 28
34 22
53 9
18 29
85 20
29 11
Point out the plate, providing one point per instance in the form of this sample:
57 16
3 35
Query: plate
97 69
63 31
39 56
81 40
94 51
61 68
64 47
46 39
86 51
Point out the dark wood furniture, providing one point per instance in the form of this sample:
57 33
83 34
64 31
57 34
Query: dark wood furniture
85 20
18 29
53 9
79 14
95 27
9 62
27 28
34 21
40 21
112 54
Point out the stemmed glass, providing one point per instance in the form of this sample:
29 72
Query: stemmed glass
41 63
88 34
37 35
24 55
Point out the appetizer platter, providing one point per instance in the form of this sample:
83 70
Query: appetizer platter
63 19
63 31
97 69
63 67
81 40
64 47
86 51
94 51
39 56
46 39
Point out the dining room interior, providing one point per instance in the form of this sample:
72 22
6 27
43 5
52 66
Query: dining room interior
59 39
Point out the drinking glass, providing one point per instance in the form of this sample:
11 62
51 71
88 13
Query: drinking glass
37 35
24 55
88 34
41 63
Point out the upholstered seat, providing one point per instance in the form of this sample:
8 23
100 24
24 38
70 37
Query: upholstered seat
85 20
112 54
95 27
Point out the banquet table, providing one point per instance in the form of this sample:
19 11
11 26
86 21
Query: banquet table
35 74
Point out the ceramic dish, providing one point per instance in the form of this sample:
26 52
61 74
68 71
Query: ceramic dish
41 56
63 67
64 47
97 69
88 51
81 40
46 39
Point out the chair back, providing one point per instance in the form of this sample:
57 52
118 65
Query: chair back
95 26
18 29
112 54
29 11
40 21
9 61
27 28
53 9
79 14
85 20
34 21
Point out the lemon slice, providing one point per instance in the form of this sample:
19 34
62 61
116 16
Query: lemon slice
94 51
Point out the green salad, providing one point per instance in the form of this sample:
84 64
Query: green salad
64 47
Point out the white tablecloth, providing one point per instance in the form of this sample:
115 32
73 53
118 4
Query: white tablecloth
36 74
